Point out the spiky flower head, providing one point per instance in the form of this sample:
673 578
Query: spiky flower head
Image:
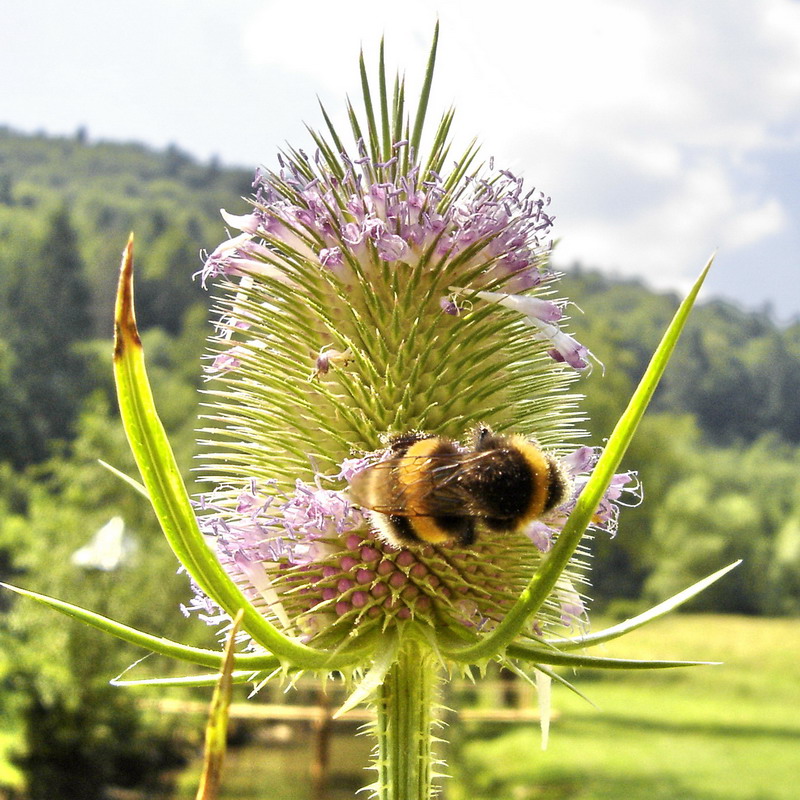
374 290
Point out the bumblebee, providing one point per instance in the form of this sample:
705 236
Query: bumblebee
429 489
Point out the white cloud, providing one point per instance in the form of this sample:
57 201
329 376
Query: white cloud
645 119
661 128
322 39
656 119
668 241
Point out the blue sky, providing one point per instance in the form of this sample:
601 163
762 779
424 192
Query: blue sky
662 129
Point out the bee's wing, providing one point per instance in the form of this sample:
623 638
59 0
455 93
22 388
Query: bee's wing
435 492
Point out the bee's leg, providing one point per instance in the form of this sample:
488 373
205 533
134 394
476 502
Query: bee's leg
396 530
399 444
497 523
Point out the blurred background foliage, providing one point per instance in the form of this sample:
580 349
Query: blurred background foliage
717 454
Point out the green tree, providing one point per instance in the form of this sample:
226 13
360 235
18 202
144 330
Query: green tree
81 735
167 291
49 299
776 379
13 423
735 502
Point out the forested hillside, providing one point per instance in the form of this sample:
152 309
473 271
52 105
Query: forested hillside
66 208
718 452
736 371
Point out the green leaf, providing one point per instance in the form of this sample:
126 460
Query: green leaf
386 137
337 142
648 616
168 495
554 676
217 728
165 647
543 655
544 686
191 681
249 662
544 580
422 108
383 661
374 144
132 482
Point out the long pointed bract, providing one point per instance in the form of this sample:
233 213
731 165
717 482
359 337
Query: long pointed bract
168 495
544 580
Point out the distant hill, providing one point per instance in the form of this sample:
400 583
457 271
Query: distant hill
168 198
736 371
66 209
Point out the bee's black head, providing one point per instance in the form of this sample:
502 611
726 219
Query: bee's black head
485 438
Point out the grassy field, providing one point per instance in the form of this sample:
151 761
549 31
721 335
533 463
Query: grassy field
729 731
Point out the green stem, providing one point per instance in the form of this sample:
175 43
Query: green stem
406 703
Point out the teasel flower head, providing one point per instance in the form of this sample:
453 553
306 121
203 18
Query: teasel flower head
376 292
373 293
374 289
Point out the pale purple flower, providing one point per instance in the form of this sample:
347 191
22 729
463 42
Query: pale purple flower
579 465
541 535
494 223
573 609
247 223
543 315
566 348
448 305
331 257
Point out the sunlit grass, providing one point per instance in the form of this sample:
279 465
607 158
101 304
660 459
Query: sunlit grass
730 731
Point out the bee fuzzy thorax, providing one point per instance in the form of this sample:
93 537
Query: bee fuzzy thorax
517 481
430 489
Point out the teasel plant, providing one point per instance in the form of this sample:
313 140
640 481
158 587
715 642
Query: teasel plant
377 288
